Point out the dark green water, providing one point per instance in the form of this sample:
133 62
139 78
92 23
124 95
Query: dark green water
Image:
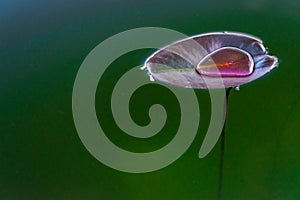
42 46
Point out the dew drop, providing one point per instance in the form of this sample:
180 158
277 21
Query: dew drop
226 62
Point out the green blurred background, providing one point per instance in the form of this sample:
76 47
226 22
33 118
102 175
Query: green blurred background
42 45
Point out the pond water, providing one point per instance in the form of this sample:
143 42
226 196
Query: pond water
42 45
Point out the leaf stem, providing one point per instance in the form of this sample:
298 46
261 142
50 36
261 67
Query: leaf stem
222 151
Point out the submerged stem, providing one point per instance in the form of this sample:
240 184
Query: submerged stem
223 147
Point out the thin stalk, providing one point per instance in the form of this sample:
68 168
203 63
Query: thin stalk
223 149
